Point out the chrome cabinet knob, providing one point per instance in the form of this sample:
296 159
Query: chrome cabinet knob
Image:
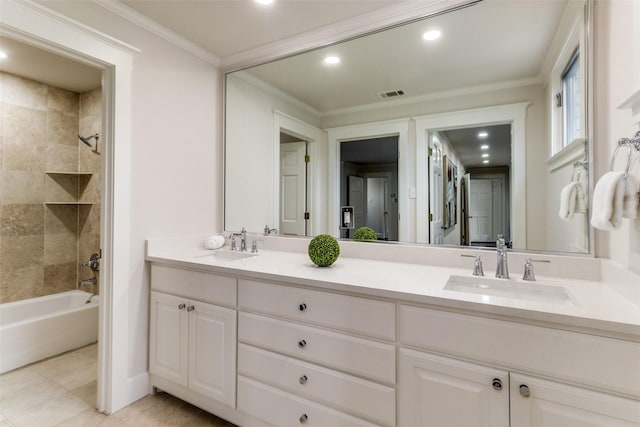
524 390
303 418
302 307
496 383
191 308
302 343
303 379
182 306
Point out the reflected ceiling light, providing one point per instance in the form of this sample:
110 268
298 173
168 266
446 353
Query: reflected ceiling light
264 1
485 161
483 134
484 147
431 35
331 60
485 155
3 55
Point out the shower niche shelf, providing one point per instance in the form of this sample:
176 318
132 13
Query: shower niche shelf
67 188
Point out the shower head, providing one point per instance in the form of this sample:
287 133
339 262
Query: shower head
86 140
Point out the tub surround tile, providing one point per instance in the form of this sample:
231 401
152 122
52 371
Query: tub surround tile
60 278
64 101
21 251
21 91
24 125
22 283
60 248
62 129
21 219
60 219
91 102
21 187
23 157
62 158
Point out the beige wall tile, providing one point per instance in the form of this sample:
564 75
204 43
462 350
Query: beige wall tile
21 219
23 157
60 188
89 219
62 129
91 102
22 283
64 101
60 248
25 92
62 158
24 124
60 277
61 219
21 251
21 187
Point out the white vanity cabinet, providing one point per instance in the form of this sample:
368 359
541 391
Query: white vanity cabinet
192 344
441 389
315 357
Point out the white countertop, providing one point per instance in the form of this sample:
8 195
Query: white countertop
594 306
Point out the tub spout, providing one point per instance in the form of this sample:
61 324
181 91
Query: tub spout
89 282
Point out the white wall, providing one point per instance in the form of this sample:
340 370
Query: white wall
175 155
616 79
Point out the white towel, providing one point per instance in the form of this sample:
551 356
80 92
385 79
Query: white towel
214 242
608 197
572 201
630 202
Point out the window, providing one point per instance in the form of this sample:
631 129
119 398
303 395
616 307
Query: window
571 101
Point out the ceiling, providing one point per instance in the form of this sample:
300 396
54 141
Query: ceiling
467 143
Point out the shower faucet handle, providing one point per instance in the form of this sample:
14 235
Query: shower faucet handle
93 263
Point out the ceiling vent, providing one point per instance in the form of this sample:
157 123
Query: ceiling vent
391 94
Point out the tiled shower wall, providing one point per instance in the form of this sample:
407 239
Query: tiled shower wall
44 232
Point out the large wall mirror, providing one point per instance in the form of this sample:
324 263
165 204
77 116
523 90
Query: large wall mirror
449 130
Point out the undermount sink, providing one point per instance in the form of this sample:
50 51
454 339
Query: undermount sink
509 288
227 255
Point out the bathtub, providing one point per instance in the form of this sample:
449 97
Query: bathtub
37 328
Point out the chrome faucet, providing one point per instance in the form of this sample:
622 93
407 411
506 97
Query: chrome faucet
502 268
477 264
528 269
243 241
268 231
89 282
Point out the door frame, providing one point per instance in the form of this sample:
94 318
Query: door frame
36 25
516 116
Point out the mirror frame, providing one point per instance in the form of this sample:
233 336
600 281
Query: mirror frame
386 19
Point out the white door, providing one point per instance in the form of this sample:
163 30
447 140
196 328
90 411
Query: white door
357 199
168 352
376 206
212 356
438 391
293 177
481 210
435 195
540 403
465 201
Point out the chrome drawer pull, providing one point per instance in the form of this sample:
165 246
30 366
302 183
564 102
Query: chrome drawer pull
191 308
524 391
302 307
302 343
496 383
303 379
303 418
182 306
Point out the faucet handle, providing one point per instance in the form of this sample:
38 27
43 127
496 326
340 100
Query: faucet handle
477 264
528 269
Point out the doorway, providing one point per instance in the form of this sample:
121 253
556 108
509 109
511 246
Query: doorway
293 212
369 183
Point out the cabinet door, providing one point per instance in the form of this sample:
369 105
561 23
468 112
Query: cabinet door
438 391
212 351
168 337
540 403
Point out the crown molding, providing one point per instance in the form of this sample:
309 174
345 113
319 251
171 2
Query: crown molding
161 31
357 26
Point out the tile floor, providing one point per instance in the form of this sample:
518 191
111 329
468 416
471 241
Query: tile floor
61 392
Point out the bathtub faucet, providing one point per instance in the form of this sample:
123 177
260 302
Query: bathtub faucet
89 282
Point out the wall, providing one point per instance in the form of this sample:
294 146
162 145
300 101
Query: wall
614 83
41 243
176 160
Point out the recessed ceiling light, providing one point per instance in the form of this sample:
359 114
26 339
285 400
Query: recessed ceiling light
431 35
264 1
3 55
483 134
485 155
484 147
331 60
485 161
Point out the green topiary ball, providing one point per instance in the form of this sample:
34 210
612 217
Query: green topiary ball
365 233
324 250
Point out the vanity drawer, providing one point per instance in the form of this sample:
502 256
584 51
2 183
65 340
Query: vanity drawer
352 314
362 398
196 285
600 362
283 409
355 355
